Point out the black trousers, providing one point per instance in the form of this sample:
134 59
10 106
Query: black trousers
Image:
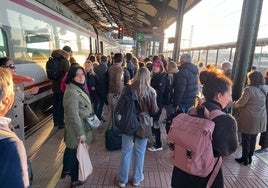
99 106
157 136
248 145
58 111
264 138
70 163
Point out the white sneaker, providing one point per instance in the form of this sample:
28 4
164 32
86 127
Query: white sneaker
121 184
137 184
155 149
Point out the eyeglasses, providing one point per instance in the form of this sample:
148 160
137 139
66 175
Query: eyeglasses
11 66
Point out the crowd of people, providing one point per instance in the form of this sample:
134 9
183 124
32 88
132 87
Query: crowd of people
100 82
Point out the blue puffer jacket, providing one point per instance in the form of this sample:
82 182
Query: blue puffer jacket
185 84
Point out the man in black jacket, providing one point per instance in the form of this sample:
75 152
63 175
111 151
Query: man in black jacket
58 112
102 85
185 84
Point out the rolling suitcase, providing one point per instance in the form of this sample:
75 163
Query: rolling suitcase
113 140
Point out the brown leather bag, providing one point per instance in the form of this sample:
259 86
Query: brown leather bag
145 129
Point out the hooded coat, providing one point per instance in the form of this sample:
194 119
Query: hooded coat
64 66
185 84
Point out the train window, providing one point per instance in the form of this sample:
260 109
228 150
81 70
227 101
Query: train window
157 47
151 45
84 43
3 44
68 38
94 45
38 46
106 48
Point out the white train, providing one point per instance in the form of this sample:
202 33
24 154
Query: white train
30 30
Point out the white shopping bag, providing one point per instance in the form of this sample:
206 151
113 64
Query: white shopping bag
85 165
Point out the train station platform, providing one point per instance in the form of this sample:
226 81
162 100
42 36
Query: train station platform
45 149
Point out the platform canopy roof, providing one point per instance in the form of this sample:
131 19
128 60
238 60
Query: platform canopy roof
136 16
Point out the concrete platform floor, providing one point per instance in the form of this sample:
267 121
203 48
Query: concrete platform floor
45 149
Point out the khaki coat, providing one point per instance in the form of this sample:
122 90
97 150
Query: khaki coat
252 115
77 107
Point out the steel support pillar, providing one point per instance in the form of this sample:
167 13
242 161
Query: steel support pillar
245 46
179 21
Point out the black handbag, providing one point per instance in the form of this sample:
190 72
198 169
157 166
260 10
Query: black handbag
113 140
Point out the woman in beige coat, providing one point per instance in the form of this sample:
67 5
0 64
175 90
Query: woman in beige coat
252 116
77 107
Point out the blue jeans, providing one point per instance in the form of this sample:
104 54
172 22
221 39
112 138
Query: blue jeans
138 148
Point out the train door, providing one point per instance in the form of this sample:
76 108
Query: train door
90 45
101 48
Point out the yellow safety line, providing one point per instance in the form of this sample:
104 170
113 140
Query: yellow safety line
53 182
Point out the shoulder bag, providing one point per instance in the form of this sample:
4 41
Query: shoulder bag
93 121
145 129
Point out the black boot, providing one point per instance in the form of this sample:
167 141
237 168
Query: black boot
75 184
242 160
249 160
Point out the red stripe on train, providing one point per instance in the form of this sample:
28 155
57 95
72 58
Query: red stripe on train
35 8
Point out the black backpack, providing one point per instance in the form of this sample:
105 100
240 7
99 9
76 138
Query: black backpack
167 96
53 68
125 114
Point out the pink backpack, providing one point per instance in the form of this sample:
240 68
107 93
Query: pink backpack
192 138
